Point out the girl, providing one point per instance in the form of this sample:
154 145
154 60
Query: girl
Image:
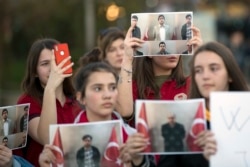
98 96
213 68
111 42
154 77
50 94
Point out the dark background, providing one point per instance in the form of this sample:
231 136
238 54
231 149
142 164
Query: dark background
78 22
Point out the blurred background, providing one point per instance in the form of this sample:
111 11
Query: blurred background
78 22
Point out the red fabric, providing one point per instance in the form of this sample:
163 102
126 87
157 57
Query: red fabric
111 153
142 126
198 126
168 91
58 152
65 114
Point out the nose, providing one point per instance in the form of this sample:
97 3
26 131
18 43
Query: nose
206 74
120 52
106 94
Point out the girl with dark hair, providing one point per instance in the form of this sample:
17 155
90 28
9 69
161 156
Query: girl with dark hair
50 94
96 89
154 77
213 68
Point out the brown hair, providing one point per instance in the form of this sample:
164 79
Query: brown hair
31 83
144 76
238 81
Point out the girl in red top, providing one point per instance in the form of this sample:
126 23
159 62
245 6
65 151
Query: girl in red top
50 94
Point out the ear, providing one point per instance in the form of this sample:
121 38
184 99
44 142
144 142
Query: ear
79 98
230 79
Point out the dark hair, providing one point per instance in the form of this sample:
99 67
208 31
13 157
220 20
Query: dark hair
107 37
31 84
83 73
238 81
26 107
188 15
144 76
87 136
4 110
5 138
95 55
134 17
162 43
161 15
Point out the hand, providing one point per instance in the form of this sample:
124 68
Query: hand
47 157
196 41
207 141
135 144
57 75
5 157
131 43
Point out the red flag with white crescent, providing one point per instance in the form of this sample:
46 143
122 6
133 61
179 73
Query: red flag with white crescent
198 125
58 152
142 125
111 153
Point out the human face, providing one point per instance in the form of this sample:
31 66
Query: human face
87 142
162 47
114 53
133 22
43 66
161 20
171 120
100 96
188 19
5 115
5 142
163 65
210 73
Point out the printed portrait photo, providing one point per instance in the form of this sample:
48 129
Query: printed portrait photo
171 126
14 125
164 33
87 144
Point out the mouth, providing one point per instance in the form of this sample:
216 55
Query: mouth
107 105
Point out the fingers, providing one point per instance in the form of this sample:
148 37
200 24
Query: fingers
5 156
196 31
129 32
47 156
196 41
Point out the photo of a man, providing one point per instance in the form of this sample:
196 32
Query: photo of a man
173 134
162 47
6 125
88 155
186 32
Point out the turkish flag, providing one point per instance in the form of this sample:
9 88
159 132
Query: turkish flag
145 36
198 125
142 126
58 149
111 153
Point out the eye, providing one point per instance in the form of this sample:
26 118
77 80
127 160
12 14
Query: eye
197 70
214 68
97 89
113 87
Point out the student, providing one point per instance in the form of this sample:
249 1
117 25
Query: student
50 94
98 96
154 77
213 68
111 43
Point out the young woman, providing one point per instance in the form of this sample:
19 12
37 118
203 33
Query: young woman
98 96
50 94
111 42
214 68
154 77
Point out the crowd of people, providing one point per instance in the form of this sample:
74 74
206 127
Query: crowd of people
111 74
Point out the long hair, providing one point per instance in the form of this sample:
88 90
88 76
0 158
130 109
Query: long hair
144 76
31 83
238 81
